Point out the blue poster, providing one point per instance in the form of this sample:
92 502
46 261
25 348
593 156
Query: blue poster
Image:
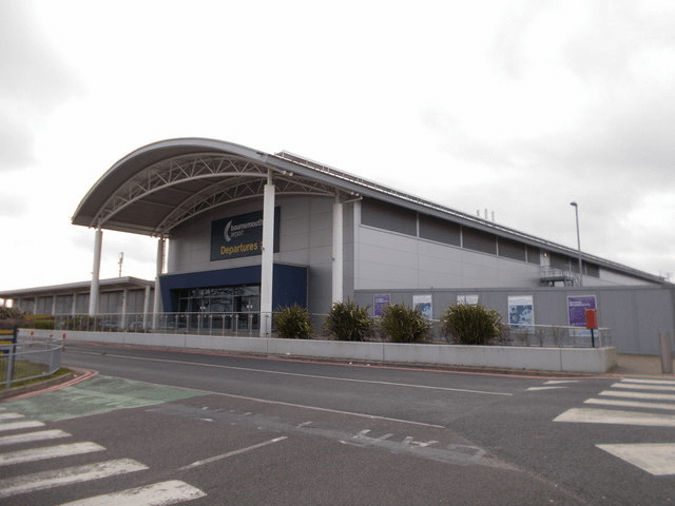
521 311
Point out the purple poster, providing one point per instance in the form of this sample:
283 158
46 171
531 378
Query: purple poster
379 303
576 307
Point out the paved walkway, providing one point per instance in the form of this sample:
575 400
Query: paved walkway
640 365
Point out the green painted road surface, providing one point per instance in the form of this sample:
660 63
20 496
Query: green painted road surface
100 394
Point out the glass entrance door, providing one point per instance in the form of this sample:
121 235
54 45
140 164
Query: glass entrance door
247 307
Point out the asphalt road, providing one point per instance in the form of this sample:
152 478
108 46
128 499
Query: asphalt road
221 429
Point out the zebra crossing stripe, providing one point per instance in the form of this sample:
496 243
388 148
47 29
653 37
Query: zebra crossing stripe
27 424
645 386
48 452
31 437
630 404
638 395
657 459
10 416
49 479
607 416
158 494
648 381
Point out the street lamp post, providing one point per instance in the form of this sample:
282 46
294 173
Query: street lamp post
576 211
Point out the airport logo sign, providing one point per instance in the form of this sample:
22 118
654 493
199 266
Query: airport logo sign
240 236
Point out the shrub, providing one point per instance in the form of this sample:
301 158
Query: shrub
348 322
44 324
293 322
471 324
403 324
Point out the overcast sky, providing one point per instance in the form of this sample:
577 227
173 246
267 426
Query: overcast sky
514 106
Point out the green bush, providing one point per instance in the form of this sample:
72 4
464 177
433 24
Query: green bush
293 322
403 324
44 324
471 324
348 322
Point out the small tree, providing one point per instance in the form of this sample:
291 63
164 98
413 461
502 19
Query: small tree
293 322
403 324
348 322
471 324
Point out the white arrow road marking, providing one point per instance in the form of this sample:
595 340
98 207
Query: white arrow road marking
656 459
158 494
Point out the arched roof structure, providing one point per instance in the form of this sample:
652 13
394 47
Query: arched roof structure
161 185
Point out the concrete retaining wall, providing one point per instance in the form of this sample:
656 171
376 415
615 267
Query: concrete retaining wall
578 360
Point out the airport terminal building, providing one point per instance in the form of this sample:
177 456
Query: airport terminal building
242 230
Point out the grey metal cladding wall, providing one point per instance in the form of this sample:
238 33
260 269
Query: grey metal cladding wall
533 255
386 216
511 249
435 229
635 315
478 240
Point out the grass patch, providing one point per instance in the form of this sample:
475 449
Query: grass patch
27 369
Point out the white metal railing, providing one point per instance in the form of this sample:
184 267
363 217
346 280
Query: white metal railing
249 324
29 359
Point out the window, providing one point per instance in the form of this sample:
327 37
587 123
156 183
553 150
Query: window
375 213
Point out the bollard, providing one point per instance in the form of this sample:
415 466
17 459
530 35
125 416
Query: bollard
666 353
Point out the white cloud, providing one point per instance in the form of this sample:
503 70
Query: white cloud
516 106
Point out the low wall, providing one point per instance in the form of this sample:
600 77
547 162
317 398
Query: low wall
577 360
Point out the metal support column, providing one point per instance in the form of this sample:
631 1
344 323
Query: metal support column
158 294
94 291
267 260
338 255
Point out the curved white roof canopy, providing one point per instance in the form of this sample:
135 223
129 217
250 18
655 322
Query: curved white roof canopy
159 186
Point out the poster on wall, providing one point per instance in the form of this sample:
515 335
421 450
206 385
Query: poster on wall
380 302
467 300
240 236
576 309
423 302
521 311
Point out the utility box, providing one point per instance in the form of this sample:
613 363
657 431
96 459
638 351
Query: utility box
591 318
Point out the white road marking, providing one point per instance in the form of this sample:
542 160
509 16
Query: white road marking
27 424
327 410
560 382
312 376
630 404
656 459
544 388
158 494
48 452
67 476
649 381
638 395
585 415
32 436
11 416
644 386
232 453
